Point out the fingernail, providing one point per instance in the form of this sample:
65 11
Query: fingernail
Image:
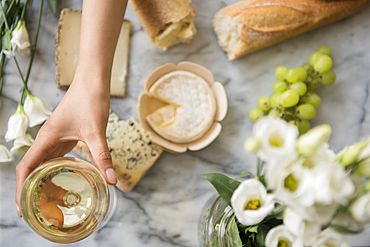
19 212
111 176
54 222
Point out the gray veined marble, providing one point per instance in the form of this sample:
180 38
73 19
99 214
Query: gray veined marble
163 209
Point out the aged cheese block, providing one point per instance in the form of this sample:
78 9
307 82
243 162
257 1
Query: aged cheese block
191 107
131 149
67 42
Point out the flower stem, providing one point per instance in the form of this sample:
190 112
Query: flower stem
34 43
20 72
5 18
23 10
1 72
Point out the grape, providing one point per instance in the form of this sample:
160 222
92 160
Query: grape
315 86
323 64
274 113
275 99
306 111
281 72
292 75
264 103
306 66
279 86
255 114
289 98
303 126
299 87
313 57
302 73
328 78
313 99
324 50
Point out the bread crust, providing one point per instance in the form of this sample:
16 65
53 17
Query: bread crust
262 23
158 15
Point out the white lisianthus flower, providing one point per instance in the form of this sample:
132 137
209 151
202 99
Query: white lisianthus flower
280 236
251 203
277 137
295 186
308 231
17 125
36 109
331 238
5 155
360 209
21 145
333 185
20 39
308 143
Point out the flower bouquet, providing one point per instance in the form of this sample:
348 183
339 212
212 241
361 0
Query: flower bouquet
303 193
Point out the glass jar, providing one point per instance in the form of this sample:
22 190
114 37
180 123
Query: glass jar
213 223
65 200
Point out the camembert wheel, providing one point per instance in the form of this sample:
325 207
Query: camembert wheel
191 107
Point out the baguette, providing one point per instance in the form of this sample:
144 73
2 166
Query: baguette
250 25
167 22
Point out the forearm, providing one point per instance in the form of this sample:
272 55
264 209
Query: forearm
100 28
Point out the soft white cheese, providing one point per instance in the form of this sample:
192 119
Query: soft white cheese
191 108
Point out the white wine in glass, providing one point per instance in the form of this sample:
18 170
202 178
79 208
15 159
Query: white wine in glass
65 200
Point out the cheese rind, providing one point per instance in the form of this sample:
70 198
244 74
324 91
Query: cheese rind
131 149
191 108
67 42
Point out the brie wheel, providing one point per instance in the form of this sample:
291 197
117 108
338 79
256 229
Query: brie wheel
191 107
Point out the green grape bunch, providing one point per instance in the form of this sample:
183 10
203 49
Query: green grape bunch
295 99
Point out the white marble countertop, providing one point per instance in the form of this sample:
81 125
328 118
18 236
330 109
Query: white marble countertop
164 208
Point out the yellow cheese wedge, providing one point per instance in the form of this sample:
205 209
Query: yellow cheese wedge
67 42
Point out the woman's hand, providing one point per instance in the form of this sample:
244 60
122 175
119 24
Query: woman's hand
82 115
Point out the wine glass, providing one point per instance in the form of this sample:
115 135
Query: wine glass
66 199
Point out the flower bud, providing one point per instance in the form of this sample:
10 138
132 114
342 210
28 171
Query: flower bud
17 124
36 109
252 145
20 39
5 155
308 143
363 168
350 155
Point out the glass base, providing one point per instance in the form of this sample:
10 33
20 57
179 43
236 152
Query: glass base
112 206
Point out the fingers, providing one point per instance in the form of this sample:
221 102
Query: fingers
53 192
50 212
30 161
102 158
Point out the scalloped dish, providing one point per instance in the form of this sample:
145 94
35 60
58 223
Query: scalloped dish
182 107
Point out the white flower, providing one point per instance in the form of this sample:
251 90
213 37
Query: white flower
333 184
360 209
5 155
308 231
36 109
277 137
20 40
308 143
279 236
17 125
7 53
331 238
295 186
21 145
251 203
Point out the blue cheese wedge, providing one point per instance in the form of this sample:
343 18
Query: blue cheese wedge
131 149
191 107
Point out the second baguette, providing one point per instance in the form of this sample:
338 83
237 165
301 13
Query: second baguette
250 25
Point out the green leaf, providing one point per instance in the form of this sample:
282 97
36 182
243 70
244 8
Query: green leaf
244 175
53 6
344 230
261 235
277 211
248 244
5 41
224 185
233 238
253 229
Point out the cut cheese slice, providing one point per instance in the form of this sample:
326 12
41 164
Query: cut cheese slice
191 107
133 153
67 43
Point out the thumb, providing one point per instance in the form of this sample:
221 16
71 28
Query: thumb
102 158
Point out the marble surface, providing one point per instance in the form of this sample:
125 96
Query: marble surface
164 208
